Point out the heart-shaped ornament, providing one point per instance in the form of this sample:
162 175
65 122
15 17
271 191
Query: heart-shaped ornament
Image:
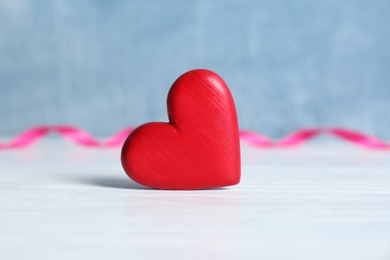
198 149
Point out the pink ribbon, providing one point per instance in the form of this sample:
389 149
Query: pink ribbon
299 137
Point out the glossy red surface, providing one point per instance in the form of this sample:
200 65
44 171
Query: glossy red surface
199 147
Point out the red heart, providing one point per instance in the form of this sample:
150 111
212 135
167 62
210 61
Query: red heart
199 148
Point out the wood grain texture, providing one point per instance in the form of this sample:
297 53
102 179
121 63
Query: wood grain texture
199 147
322 202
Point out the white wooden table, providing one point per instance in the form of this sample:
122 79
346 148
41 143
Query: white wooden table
319 201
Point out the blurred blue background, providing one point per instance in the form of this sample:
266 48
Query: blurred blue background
103 65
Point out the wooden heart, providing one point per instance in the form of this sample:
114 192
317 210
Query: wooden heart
198 149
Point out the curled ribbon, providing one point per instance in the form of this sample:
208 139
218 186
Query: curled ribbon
299 137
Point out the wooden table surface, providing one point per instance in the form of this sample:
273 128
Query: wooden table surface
320 201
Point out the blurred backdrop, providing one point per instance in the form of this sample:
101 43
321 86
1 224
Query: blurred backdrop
103 65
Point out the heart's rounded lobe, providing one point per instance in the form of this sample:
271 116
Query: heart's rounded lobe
198 149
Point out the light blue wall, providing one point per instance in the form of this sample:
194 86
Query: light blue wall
103 65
